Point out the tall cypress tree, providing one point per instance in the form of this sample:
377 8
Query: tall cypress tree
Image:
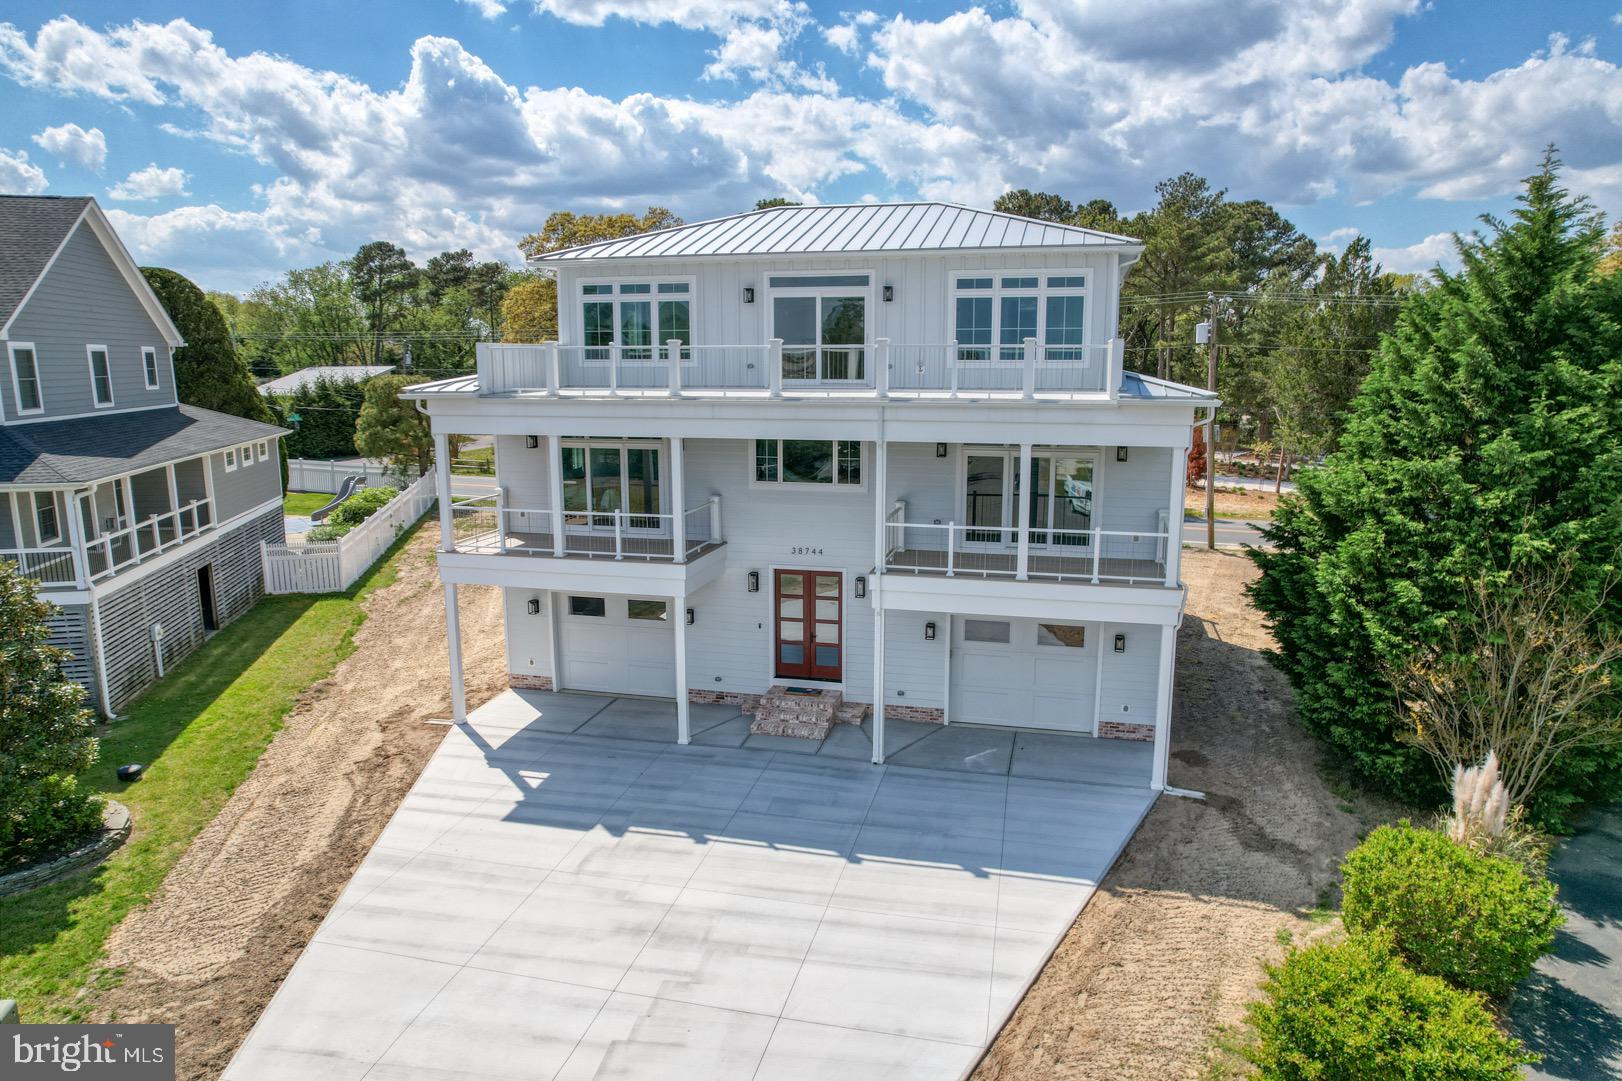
1486 436
208 372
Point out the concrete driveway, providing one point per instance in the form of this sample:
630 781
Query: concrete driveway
549 904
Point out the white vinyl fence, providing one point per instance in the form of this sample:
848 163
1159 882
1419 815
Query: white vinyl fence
333 566
318 475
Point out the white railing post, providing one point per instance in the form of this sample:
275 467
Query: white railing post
554 465
673 347
442 481
1117 368
619 534
677 500
613 367
715 519
952 360
881 367
1022 559
1028 386
554 369
501 519
1098 551
774 367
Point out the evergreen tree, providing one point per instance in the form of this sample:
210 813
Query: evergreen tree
392 429
208 372
1487 437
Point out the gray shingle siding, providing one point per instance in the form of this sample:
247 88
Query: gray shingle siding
83 300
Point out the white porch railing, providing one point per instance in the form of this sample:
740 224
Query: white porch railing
485 525
1067 555
112 551
48 566
334 566
882 368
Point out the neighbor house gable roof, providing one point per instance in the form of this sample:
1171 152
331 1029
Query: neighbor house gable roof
848 229
33 231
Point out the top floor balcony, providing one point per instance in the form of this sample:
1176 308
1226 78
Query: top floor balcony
775 369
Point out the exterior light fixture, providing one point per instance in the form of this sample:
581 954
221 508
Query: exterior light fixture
940 450
929 632
754 581
534 606
889 293
748 294
531 442
861 585
1120 454
1120 643
689 617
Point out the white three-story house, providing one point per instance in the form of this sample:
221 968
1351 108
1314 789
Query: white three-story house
885 453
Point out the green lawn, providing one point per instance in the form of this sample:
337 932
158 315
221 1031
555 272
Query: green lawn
300 504
200 731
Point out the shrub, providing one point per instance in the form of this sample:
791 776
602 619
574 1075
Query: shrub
361 506
1476 921
1352 1012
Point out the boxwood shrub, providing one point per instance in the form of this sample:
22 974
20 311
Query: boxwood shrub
1353 1011
1478 922
351 513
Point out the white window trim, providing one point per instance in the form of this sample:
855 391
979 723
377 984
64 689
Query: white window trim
652 281
1010 501
664 517
16 383
1042 292
262 450
56 517
230 459
149 367
90 361
806 485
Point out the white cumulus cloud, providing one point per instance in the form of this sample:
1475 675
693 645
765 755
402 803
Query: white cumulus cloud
18 175
1436 249
71 143
150 183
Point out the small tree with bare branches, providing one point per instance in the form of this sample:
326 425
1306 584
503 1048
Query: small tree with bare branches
1527 674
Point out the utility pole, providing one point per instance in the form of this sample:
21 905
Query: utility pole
1210 426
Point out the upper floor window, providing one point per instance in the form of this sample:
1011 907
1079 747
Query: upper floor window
637 316
808 461
25 378
45 518
149 366
263 449
101 376
994 314
230 459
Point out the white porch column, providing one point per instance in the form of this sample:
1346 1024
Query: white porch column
1168 657
554 480
678 499
453 645
76 538
174 496
1174 517
447 519
881 469
1023 523
684 724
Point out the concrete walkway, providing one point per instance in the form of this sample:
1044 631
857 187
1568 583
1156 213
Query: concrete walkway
553 904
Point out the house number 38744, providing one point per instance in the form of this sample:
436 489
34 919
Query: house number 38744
804 550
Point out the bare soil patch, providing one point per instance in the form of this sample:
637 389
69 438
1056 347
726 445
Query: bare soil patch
1256 504
1170 948
233 915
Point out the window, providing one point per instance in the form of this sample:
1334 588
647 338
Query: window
149 366
230 459
985 630
263 449
836 463
45 517
817 281
245 454
25 378
596 607
992 317
601 478
101 376
638 326
1060 634
656 610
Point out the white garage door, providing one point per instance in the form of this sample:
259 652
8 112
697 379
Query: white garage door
620 644
1024 672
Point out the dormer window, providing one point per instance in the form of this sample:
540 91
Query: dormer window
25 378
101 376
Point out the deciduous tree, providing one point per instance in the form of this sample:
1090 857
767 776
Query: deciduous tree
392 429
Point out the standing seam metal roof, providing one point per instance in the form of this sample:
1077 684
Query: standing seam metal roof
854 227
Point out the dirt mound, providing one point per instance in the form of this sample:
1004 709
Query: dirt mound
239 906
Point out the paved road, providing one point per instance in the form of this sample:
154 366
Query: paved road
1570 1009
1230 532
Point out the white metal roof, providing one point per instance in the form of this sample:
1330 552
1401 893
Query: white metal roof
308 377
856 227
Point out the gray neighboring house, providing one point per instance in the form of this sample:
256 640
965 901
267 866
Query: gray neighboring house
140 517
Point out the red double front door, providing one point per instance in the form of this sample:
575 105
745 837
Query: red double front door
810 627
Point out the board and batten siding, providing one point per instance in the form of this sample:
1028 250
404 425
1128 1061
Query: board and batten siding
1128 693
170 596
525 474
920 314
82 300
529 637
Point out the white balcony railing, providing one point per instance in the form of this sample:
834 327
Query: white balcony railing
955 369
48 566
485 525
1066 555
112 551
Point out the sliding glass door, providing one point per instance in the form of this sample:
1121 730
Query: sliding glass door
823 323
1061 505
602 478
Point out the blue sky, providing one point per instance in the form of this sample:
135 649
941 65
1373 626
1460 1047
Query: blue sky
232 141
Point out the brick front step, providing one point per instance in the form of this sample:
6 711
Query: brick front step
798 716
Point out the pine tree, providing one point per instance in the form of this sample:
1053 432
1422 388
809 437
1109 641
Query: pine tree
1485 438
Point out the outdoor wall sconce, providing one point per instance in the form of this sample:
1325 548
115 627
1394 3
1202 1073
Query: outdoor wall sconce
940 450
531 442
1120 643
689 617
1120 454
861 585
929 632
889 293
754 581
748 294
534 606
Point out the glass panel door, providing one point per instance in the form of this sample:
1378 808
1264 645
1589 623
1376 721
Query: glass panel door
826 638
792 658
844 333
1072 501
636 329
987 498
642 487
607 494
598 480
794 319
